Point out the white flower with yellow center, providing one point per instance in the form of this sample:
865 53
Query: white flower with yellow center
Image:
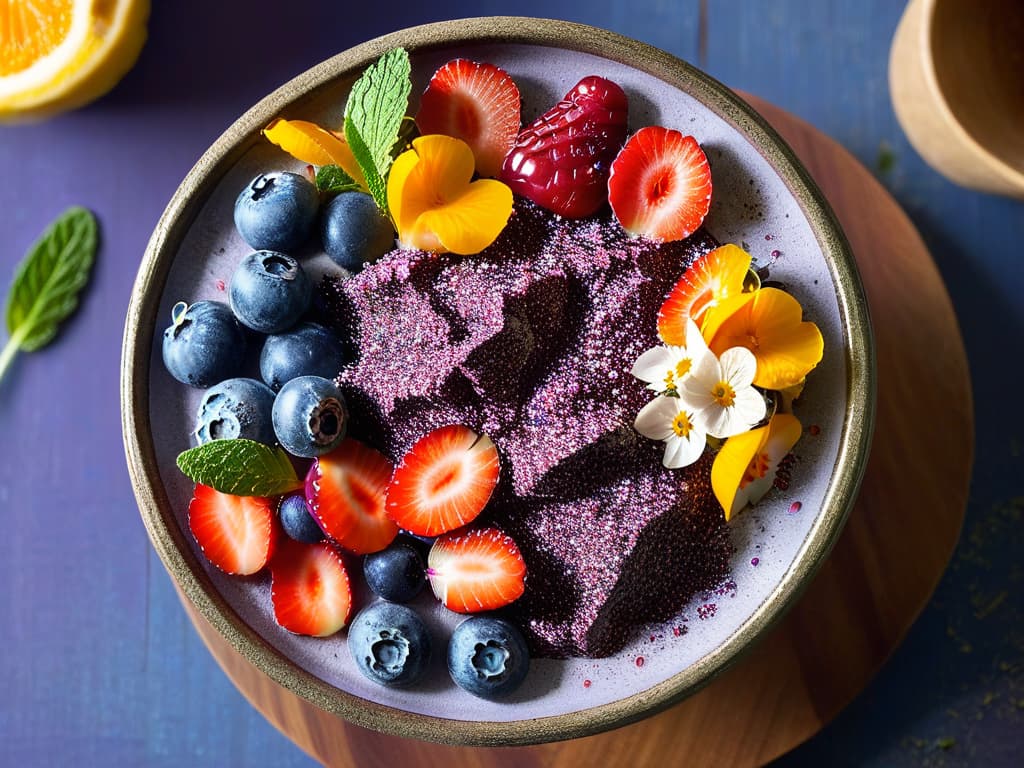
668 419
720 394
665 367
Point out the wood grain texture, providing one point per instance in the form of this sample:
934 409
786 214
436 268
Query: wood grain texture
880 575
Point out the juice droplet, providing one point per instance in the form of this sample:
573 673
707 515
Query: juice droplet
754 561
639 661
221 286
587 683
794 507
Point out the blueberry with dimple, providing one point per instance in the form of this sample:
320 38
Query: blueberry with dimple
390 643
310 416
396 573
236 408
355 231
204 343
297 521
277 211
269 291
488 657
307 349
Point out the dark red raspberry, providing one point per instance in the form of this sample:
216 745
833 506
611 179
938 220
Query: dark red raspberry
561 161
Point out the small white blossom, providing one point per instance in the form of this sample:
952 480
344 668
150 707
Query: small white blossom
720 392
669 420
664 368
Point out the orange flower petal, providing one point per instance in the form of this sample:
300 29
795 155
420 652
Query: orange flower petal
309 143
433 203
745 467
731 465
474 220
767 322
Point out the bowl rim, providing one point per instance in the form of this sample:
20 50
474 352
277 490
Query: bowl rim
192 580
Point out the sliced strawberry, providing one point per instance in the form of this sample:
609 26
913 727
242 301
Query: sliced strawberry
478 103
476 571
346 490
715 276
444 481
660 184
309 588
236 533
561 160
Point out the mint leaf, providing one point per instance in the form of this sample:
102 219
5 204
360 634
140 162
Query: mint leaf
240 467
373 116
374 181
47 282
332 179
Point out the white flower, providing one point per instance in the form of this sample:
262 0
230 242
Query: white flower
719 392
665 367
668 419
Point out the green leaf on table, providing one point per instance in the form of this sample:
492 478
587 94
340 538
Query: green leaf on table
240 467
332 180
48 281
373 116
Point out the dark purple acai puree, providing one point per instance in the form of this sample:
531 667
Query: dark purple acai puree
532 341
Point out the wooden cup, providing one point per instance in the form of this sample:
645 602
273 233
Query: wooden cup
956 74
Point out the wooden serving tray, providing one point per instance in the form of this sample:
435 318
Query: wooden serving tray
881 573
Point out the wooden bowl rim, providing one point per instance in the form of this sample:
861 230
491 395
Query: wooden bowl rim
178 557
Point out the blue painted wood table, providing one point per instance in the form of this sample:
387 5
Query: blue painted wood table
99 663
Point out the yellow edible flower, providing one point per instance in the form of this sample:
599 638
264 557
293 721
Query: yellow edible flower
436 206
768 323
745 467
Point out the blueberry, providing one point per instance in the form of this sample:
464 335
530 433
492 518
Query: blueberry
269 292
488 657
396 573
310 416
204 344
236 408
297 521
276 211
307 349
390 643
355 231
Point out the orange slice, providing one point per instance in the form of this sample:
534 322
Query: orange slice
60 54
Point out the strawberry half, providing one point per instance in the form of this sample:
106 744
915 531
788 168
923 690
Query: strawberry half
561 160
236 533
476 571
660 185
444 481
478 103
309 588
346 490
715 276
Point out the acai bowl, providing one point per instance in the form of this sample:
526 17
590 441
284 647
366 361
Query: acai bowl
596 661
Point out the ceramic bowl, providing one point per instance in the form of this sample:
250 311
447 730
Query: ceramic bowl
763 198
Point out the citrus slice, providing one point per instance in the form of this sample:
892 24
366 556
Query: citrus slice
56 55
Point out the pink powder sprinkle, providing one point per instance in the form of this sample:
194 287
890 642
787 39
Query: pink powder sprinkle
639 661
769 237
587 683
221 285
652 638
754 561
794 507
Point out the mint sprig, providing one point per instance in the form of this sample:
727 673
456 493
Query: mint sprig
47 283
332 180
373 116
240 467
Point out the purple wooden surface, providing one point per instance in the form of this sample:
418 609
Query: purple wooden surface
98 664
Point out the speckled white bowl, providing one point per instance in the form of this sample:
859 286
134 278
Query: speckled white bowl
762 198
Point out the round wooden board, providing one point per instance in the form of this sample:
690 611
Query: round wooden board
881 573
